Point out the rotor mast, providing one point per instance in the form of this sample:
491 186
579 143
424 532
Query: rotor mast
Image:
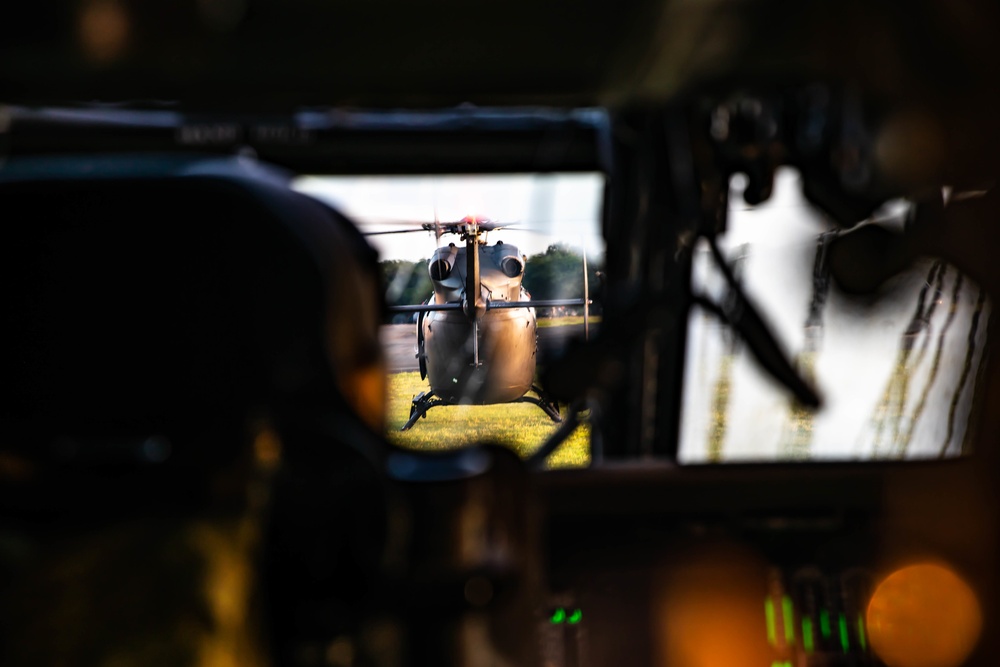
474 305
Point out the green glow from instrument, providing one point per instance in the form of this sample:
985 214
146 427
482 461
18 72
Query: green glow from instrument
558 616
575 617
772 636
779 663
824 623
844 642
807 634
788 616
861 633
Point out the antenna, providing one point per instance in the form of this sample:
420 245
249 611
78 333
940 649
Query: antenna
586 291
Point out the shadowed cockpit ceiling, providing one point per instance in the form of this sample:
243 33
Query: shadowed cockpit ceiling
265 54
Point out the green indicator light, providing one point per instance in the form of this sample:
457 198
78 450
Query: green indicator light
788 615
844 643
807 634
861 633
824 623
558 616
772 636
575 617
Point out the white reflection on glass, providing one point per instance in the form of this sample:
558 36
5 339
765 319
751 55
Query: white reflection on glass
897 369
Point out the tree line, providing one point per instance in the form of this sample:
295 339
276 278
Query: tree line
556 273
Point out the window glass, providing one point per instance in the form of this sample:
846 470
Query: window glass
547 224
897 369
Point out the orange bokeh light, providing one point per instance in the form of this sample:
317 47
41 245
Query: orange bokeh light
923 616
104 29
708 610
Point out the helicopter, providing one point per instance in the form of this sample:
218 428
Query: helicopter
477 334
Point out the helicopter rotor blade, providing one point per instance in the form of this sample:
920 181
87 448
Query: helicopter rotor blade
393 231
440 228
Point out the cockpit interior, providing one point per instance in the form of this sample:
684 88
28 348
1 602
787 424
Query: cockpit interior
525 334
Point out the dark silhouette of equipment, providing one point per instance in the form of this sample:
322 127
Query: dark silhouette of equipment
169 351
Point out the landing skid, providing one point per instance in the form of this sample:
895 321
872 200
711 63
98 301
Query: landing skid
426 400
422 402
548 405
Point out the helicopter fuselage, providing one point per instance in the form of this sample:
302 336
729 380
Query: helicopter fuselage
502 339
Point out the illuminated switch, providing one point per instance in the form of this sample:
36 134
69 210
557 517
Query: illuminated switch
856 590
561 633
810 596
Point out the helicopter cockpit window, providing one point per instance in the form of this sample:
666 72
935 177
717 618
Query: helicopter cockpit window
897 368
468 332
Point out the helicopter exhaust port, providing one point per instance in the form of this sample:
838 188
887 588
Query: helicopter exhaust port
512 266
440 269
442 262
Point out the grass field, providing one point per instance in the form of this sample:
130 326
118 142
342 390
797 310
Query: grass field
519 426
544 322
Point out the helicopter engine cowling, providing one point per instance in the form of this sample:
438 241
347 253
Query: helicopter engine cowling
442 263
502 271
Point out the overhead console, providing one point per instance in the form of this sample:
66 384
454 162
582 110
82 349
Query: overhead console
329 141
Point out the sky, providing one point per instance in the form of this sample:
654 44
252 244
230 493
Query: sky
563 208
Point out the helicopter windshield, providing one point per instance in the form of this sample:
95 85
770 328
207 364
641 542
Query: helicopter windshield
897 369
534 233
